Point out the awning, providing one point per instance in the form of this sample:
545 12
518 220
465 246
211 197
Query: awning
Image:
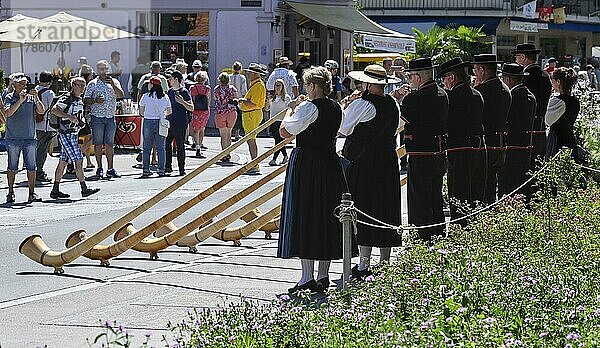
489 25
344 18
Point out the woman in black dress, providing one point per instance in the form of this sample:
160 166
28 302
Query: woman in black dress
313 183
370 124
562 112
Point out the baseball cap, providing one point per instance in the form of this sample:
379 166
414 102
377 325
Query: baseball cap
551 60
197 64
155 80
156 63
82 60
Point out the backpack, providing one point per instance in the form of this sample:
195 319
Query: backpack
200 101
53 120
40 117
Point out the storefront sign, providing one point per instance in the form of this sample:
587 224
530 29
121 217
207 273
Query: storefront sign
527 26
382 43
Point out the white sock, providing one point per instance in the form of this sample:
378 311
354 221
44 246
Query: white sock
384 254
364 253
323 269
308 271
197 147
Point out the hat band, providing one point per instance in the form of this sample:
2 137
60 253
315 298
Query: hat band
375 76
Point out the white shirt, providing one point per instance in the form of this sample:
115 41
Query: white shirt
305 114
239 82
288 77
556 108
358 111
154 109
47 97
278 105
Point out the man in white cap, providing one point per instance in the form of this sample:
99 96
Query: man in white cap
20 107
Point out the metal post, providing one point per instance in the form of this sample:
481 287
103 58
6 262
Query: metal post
346 220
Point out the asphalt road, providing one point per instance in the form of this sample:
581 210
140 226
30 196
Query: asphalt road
38 307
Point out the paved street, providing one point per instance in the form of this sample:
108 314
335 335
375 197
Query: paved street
40 308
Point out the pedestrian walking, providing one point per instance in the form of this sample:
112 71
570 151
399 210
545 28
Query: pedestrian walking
44 133
369 125
201 96
466 145
518 127
20 107
496 104
69 109
313 183
424 108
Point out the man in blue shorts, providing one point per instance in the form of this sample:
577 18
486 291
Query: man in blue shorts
69 108
20 107
102 94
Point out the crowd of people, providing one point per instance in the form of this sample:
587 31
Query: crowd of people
461 119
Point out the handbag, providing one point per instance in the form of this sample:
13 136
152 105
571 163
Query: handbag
163 127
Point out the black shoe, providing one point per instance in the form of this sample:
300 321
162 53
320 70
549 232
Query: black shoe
323 283
168 170
310 285
360 275
34 198
42 177
10 198
58 195
203 147
182 173
89 191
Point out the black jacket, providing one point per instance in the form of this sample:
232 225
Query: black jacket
465 117
520 116
496 103
538 82
425 112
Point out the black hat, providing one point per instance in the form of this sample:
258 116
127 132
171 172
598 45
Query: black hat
485 58
513 69
452 64
526 48
420 64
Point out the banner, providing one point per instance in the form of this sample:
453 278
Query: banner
383 43
530 9
559 15
545 13
528 27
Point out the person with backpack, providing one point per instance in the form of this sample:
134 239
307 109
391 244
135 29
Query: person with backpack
69 110
201 97
43 131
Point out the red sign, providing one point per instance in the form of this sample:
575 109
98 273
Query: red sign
545 13
129 130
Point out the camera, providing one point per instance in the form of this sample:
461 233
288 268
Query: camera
30 87
232 102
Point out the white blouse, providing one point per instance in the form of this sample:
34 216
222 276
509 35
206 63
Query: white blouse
154 109
358 111
279 105
304 114
556 107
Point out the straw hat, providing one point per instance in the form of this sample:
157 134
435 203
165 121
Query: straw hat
374 74
257 69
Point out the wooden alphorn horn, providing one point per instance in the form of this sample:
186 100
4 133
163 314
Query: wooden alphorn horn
36 249
157 244
237 233
208 231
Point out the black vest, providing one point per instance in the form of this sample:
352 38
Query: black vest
321 134
564 125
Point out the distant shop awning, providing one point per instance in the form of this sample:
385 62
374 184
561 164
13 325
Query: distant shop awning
488 25
344 18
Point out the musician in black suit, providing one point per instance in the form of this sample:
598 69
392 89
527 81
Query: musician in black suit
424 108
466 145
538 82
496 102
520 123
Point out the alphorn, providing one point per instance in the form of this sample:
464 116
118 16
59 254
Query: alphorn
236 233
105 252
268 228
208 231
158 244
36 249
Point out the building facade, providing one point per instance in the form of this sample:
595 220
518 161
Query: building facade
503 20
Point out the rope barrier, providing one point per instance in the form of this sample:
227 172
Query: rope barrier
401 228
589 168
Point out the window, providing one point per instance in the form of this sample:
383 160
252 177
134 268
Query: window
173 24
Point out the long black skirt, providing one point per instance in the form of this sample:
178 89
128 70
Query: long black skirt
313 189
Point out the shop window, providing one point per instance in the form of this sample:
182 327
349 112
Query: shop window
173 24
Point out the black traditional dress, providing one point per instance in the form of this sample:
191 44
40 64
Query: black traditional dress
560 116
374 176
313 189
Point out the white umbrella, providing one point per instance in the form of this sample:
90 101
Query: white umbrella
64 27
15 24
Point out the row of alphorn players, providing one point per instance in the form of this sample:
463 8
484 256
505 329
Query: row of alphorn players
489 135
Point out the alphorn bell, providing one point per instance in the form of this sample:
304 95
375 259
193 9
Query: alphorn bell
268 228
130 240
237 233
36 249
155 245
215 227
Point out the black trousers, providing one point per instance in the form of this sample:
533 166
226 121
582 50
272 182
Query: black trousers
466 179
514 172
43 143
176 132
274 129
425 202
495 162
